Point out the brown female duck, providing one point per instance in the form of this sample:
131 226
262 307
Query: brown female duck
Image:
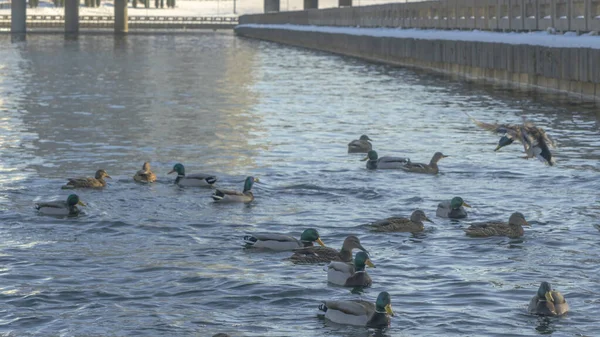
513 229
431 168
96 182
397 224
319 254
145 175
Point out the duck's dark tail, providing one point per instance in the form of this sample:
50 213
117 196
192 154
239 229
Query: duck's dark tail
250 240
218 195
323 307
211 180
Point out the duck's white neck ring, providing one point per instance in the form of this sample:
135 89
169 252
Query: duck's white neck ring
380 312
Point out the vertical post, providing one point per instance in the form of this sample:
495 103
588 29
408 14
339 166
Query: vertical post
344 3
71 16
553 12
537 15
510 17
569 14
271 6
498 14
233 6
456 15
587 13
18 16
523 14
121 20
311 4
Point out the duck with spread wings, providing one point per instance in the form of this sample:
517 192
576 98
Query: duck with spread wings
536 143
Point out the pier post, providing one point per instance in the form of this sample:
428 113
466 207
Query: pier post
271 6
71 16
311 4
344 3
121 20
18 16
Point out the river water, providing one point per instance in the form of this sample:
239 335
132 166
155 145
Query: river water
163 260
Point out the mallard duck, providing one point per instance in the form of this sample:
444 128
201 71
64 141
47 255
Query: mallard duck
453 209
327 254
360 145
360 312
536 143
397 224
96 182
68 207
236 196
282 242
548 302
374 162
145 175
431 168
196 179
513 229
348 275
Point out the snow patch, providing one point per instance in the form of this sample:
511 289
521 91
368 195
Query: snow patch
543 38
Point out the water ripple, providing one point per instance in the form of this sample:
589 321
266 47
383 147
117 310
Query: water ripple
163 260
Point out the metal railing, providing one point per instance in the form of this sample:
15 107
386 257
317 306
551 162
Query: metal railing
135 22
509 15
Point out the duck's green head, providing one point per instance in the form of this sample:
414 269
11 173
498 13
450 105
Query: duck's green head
457 202
311 235
365 137
179 169
102 174
371 155
361 259
73 200
518 218
504 140
384 303
249 182
545 291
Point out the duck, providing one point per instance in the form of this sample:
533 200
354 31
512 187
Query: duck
350 275
192 180
281 242
548 302
513 229
360 312
387 162
536 143
431 168
96 182
319 254
68 207
360 145
453 209
398 224
145 175
245 196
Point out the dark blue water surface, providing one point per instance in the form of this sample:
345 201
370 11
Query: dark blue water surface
159 260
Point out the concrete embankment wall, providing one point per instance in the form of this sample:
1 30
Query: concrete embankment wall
573 70
504 15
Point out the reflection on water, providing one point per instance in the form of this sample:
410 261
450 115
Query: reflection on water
162 260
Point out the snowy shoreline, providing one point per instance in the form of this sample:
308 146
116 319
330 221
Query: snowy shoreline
540 38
